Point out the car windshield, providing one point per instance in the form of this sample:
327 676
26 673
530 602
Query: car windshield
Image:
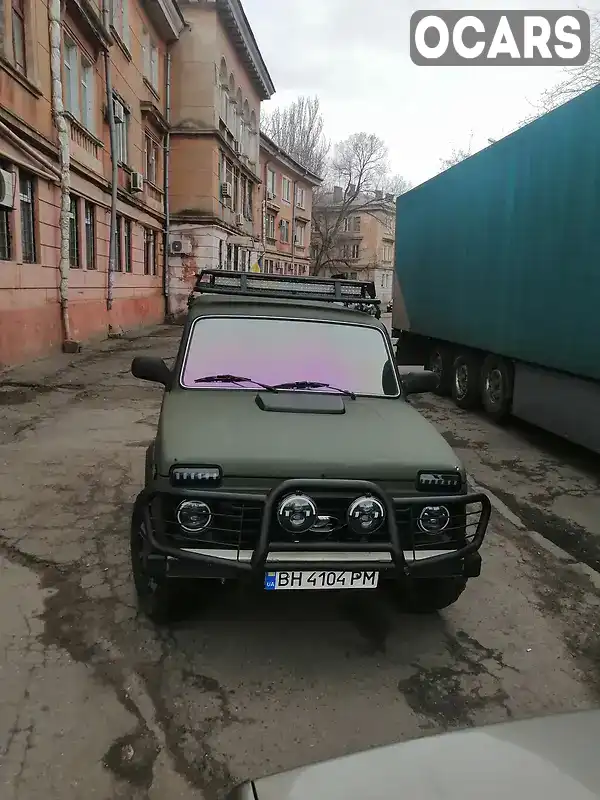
353 358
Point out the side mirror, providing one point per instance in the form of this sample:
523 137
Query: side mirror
152 369
419 382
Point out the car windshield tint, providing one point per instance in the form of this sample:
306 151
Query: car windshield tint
274 351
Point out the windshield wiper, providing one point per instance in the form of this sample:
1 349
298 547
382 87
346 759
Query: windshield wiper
234 379
314 385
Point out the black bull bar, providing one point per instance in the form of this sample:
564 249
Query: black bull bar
258 560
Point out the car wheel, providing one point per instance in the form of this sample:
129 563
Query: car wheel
156 595
466 380
428 595
439 361
496 387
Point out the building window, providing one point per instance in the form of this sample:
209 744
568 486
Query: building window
300 197
346 224
74 233
118 245
127 244
150 53
357 224
27 197
354 251
271 182
286 189
150 251
18 36
300 234
151 160
121 131
90 235
119 19
79 84
285 230
387 252
270 226
6 217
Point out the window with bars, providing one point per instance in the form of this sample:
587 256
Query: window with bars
18 36
90 235
127 243
74 233
150 251
27 200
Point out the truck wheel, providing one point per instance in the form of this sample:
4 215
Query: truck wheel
156 595
496 387
428 595
439 361
466 380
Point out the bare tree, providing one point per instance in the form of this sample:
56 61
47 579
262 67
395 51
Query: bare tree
576 79
299 130
358 181
456 157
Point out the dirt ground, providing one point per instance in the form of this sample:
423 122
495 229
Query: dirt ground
96 703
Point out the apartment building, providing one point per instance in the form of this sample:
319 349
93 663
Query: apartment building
47 300
364 247
219 81
287 192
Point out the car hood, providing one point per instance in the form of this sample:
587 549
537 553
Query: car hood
376 438
549 758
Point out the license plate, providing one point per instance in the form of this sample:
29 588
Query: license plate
321 580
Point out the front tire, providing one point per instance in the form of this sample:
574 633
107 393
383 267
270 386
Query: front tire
156 595
428 595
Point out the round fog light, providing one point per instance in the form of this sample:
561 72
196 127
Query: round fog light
194 515
366 515
297 513
434 519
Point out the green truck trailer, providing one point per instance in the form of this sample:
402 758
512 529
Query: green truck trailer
497 284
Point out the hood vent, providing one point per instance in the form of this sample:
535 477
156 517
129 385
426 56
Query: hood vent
301 403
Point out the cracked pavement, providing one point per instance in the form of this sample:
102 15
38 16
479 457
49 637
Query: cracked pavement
95 702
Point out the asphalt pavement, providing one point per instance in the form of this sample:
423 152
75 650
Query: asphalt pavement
96 703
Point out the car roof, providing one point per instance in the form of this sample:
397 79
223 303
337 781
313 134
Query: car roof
234 305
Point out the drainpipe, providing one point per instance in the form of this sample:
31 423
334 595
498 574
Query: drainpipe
110 112
166 160
64 160
264 215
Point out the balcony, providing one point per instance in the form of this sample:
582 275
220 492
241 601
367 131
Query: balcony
166 18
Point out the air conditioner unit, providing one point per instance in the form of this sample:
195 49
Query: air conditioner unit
226 189
118 112
270 195
239 219
237 147
7 189
180 247
137 182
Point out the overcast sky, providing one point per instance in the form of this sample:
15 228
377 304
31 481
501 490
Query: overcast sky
354 54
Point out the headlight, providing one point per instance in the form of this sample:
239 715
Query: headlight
434 519
193 515
366 515
297 513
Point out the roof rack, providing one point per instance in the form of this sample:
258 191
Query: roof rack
250 284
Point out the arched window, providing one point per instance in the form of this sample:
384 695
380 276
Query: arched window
246 129
239 112
224 87
231 116
253 148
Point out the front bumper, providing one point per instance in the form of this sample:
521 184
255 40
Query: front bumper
397 554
